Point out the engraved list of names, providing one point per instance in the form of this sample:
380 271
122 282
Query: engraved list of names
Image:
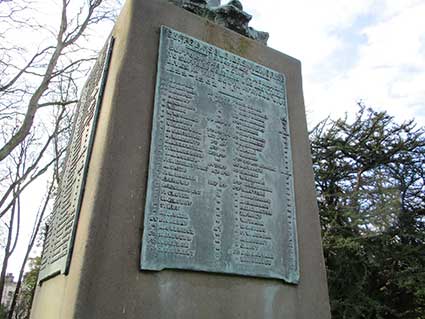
59 241
220 192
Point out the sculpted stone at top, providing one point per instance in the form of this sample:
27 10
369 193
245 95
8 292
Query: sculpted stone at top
220 192
214 3
230 16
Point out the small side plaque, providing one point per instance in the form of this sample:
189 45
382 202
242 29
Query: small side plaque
220 192
59 242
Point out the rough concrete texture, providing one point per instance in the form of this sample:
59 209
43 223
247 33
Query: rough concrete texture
104 281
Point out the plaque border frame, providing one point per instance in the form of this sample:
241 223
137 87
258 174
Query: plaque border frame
294 276
62 265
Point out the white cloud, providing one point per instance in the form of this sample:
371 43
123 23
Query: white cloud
352 50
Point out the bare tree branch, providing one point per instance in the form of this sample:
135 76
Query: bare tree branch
60 103
35 231
64 39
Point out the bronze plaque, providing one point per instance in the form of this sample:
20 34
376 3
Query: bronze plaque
59 242
220 194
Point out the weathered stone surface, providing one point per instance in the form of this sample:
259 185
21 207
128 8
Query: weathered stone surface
230 16
57 248
104 279
220 189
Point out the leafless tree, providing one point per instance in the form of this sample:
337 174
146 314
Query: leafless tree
42 67
39 219
27 87
32 161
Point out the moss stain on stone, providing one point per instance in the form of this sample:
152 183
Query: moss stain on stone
239 47
209 29
244 45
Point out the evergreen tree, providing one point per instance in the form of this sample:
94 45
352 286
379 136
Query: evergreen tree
370 179
26 293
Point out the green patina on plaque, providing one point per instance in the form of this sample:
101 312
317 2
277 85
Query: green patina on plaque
220 192
59 243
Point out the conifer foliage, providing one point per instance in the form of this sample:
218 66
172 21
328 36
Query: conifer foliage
370 181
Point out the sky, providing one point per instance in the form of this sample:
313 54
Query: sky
351 50
364 50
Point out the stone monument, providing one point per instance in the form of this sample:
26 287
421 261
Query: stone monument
188 188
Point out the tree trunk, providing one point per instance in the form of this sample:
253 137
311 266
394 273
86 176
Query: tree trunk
7 253
29 248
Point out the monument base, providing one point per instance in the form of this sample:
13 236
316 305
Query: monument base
104 278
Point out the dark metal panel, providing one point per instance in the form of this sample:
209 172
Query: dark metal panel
59 242
220 192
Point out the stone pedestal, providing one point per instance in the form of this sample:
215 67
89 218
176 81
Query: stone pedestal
102 276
